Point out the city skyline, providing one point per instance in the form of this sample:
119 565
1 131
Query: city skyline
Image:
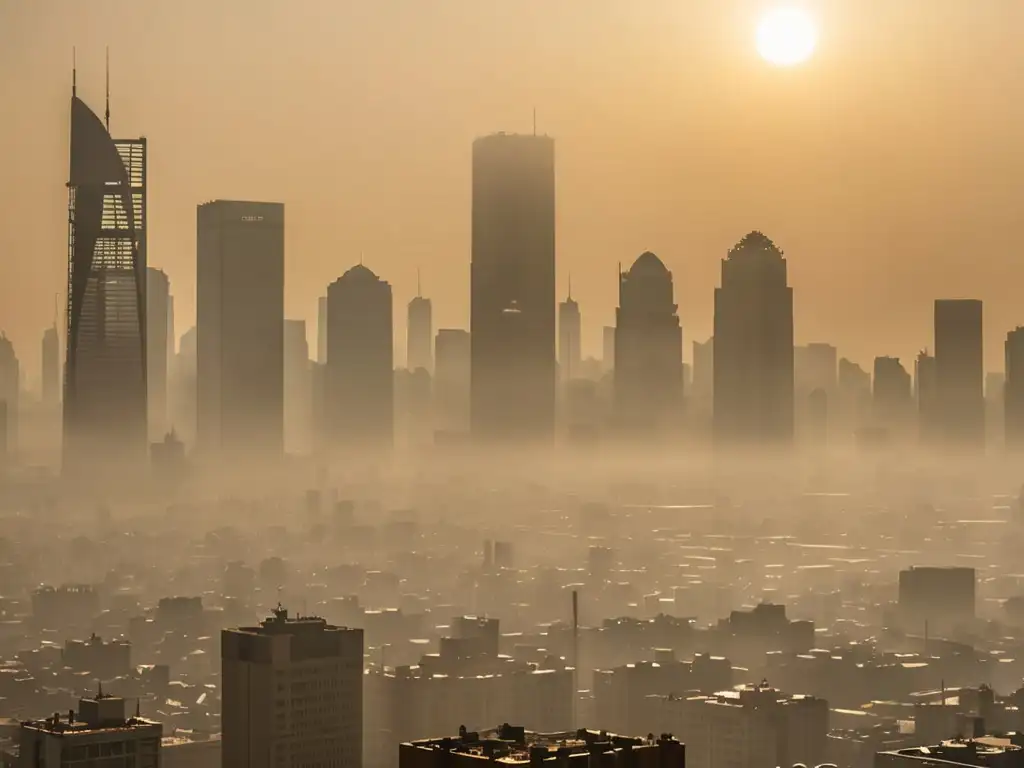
665 196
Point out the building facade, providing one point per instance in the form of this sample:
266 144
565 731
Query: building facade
570 351
240 329
51 366
360 360
159 348
420 335
292 693
960 373
753 352
1013 397
451 381
512 314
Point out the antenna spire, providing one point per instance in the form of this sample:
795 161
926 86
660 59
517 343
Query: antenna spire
419 284
534 121
570 286
74 72
108 90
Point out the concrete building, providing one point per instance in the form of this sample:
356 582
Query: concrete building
420 335
298 389
360 361
51 366
892 401
754 387
983 752
512 275
240 326
451 381
940 597
321 331
926 395
99 735
159 349
608 349
10 393
648 351
569 347
292 694
515 746
960 373
1013 398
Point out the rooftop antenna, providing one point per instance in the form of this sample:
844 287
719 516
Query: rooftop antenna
74 72
56 309
419 285
570 286
534 121
108 90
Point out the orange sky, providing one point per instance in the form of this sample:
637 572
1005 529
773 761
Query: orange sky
888 168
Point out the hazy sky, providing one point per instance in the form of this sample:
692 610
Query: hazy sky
889 168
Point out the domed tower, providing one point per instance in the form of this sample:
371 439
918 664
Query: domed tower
648 350
753 354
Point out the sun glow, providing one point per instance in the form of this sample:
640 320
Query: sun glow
786 37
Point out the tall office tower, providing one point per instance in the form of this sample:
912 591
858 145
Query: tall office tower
51 366
292 692
451 381
183 389
240 326
960 372
754 346
321 331
926 394
648 350
815 366
99 734
1013 397
420 341
105 410
298 389
892 402
854 395
158 315
10 388
360 360
942 597
512 315
703 370
608 349
995 407
569 346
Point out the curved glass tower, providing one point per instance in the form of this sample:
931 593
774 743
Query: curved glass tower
105 371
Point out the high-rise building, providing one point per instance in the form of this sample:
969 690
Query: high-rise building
892 402
240 327
360 360
183 388
854 396
420 331
703 370
995 407
298 389
512 315
451 381
158 331
815 366
51 366
292 692
943 597
754 385
925 392
960 372
608 349
98 735
1013 398
569 347
648 350
105 412
10 390
321 331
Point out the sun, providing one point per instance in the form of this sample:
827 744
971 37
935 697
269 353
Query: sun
786 37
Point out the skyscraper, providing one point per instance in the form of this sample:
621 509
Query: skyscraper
158 316
308 672
1013 413
321 331
608 349
51 366
569 348
298 389
105 410
960 372
420 330
648 350
451 381
10 387
926 394
512 316
892 403
754 346
240 329
360 360
703 370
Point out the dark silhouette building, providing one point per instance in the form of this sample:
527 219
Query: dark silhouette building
892 401
1013 397
926 394
105 410
321 331
240 329
960 372
360 360
298 389
51 366
753 376
420 330
451 381
648 350
854 396
512 315
570 353
160 345
703 370
10 386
